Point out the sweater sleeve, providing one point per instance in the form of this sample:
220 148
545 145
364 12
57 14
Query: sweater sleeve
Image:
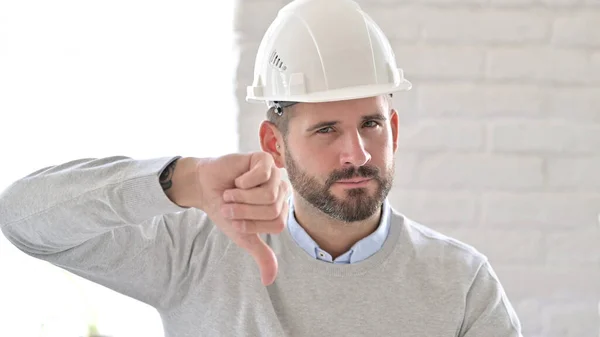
109 221
488 312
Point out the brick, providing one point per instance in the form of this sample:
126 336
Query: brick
487 100
501 246
405 165
549 282
479 172
245 66
545 137
536 3
398 24
405 105
541 210
577 29
576 173
485 26
436 208
538 64
479 100
570 318
561 3
441 135
595 62
248 121
576 104
529 311
578 247
440 62
512 3
252 18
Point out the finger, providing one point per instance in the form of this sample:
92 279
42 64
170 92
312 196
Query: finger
259 173
255 227
263 255
265 194
239 211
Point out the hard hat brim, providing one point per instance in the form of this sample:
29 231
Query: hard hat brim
342 94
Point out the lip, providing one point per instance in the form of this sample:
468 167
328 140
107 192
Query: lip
356 182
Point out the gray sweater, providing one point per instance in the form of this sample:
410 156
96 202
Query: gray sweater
109 221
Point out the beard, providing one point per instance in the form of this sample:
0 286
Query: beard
357 205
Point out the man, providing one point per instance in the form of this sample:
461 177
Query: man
181 234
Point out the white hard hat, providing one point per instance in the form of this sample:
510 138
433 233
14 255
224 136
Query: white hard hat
321 51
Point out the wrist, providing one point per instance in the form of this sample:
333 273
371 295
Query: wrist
179 181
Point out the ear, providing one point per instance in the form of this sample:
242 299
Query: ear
395 124
271 142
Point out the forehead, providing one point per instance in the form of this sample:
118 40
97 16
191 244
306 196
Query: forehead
340 110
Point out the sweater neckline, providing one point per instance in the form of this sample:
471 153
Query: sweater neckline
301 261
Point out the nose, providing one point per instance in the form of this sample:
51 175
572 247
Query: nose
353 150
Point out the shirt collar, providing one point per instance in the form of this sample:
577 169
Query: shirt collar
361 250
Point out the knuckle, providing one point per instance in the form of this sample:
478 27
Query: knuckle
238 211
263 175
267 157
231 196
272 211
234 210
248 226
267 174
269 196
238 225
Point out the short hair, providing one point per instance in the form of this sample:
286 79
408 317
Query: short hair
280 121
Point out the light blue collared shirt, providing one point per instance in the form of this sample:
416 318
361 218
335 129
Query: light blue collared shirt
359 251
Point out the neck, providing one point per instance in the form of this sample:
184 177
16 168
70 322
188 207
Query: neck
332 235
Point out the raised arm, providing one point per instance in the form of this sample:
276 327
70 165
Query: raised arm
133 225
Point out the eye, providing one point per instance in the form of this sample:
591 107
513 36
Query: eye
371 124
325 130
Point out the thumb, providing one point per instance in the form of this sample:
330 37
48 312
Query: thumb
263 256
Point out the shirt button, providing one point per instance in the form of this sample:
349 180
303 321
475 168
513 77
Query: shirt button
321 254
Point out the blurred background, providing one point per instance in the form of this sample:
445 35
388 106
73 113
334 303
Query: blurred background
500 136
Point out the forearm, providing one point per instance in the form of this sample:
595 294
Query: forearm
62 206
109 220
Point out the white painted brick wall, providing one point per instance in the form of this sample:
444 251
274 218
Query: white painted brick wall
453 208
546 64
484 26
432 135
577 29
500 139
545 137
477 172
574 173
542 210
441 62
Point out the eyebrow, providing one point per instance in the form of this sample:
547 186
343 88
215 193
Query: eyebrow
376 116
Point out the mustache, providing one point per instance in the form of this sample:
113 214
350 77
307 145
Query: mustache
353 172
